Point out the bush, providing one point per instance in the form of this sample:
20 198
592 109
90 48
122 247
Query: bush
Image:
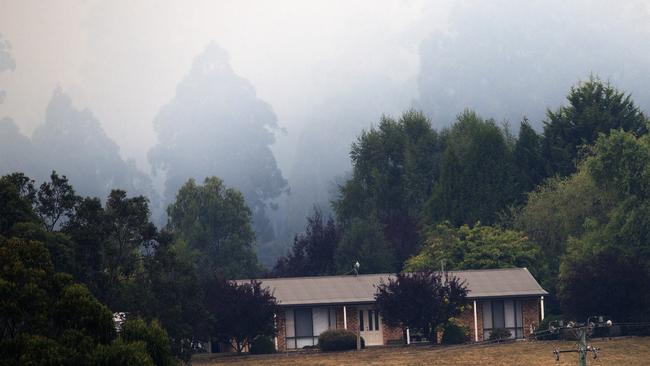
123 354
155 338
262 345
500 334
454 333
338 340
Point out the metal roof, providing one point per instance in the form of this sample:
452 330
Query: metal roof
350 289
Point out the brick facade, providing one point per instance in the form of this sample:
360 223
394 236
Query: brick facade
391 333
339 317
352 317
281 326
530 317
466 318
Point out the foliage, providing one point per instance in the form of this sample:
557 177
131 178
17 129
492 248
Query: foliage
394 168
363 242
476 247
15 205
477 167
613 256
499 334
337 340
60 245
109 241
72 141
558 210
168 289
262 345
594 107
421 301
215 222
155 338
604 281
527 156
122 353
313 251
217 125
46 310
239 312
454 333
55 200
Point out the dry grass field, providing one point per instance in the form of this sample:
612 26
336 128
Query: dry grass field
622 351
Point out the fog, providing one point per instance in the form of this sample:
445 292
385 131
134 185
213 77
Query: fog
270 95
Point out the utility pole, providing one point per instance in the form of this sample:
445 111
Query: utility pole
582 348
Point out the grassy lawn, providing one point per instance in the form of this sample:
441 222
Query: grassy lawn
622 351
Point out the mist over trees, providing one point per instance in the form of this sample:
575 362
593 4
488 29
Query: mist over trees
476 196
508 59
321 155
216 125
72 142
492 155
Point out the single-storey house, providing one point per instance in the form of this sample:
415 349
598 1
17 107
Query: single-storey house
500 298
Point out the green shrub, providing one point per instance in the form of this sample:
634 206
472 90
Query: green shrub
454 333
123 354
34 350
499 334
338 340
154 337
262 345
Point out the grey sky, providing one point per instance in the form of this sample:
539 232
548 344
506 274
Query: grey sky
123 59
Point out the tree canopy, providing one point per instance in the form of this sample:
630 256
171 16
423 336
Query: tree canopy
215 223
421 301
477 247
216 125
594 107
313 252
239 312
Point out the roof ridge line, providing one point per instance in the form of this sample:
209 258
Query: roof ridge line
378 274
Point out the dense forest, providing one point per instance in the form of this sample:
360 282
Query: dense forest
570 204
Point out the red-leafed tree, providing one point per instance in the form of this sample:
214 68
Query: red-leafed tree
421 301
241 312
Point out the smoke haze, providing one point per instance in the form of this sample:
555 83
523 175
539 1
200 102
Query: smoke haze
270 95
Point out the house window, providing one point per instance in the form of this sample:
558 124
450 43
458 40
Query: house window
503 314
305 324
377 319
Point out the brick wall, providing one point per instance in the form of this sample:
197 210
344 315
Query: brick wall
391 333
466 318
352 315
280 325
353 319
530 314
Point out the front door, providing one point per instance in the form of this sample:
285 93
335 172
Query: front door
370 326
